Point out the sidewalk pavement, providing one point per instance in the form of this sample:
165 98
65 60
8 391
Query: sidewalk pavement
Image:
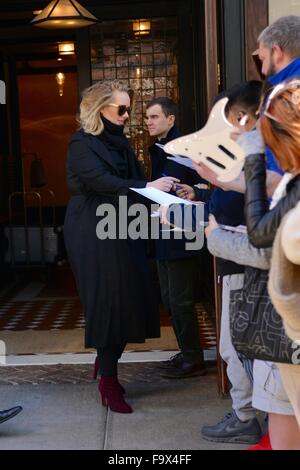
168 414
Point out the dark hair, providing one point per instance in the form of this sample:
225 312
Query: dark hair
220 96
246 95
167 105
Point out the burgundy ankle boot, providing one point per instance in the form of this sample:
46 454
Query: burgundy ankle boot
96 370
112 395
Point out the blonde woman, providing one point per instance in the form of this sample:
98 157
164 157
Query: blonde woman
110 270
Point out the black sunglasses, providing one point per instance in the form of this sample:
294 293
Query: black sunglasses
122 109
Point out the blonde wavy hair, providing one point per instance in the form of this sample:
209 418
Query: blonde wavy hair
94 99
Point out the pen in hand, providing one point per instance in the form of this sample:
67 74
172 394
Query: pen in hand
176 185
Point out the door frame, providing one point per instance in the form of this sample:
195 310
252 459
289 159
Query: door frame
191 107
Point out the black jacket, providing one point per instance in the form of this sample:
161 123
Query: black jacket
174 248
161 164
262 223
89 174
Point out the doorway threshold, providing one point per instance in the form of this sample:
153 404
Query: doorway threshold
89 358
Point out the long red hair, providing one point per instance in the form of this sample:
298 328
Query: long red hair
282 134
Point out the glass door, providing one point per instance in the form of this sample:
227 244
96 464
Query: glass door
142 53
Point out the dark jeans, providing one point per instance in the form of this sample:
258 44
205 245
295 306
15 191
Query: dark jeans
108 359
177 284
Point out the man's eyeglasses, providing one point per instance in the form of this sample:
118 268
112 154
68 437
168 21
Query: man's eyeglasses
122 109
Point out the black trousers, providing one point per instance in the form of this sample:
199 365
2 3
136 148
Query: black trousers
108 359
177 284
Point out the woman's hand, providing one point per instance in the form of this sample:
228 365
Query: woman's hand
212 225
164 184
186 192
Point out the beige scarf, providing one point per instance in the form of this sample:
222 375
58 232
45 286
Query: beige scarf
284 287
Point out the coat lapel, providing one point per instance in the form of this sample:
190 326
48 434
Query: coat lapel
99 148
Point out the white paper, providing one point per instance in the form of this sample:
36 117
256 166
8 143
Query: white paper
175 229
162 198
155 214
229 228
238 229
182 161
160 146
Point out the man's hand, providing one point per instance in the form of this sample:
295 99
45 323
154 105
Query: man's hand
212 225
206 173
165 184
185 192
237 185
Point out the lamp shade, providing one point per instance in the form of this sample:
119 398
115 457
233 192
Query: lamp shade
66 48
141 27
64 14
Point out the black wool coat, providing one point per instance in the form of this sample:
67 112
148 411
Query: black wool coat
112 274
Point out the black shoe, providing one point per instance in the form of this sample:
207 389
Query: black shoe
232 430
172 362
183 370
8 414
